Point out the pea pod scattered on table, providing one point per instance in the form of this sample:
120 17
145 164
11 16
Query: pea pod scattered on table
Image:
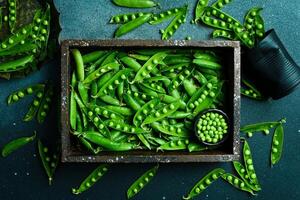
237 182
165 15
89 181
141 182
277 144
135 3
16 144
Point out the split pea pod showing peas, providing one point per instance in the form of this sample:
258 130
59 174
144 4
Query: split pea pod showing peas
133 24
219 4
45 105
16 65
201 5
12 14
237 182
144 111
176 144
16 144
223 34
205 182
135 3
141 182
89 181
20 94
277 144
124 18
165 15
34 107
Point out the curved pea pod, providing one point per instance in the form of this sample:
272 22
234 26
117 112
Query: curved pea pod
101 70
262 126
110 100
237 182
251 94
120 110
83 92
249 19
218 19
171 130
223 34
121 126
45 105
89 181
131 102
219 4
175 24
155 87
133 24
195 98
49 164
178 80
18 37
201 5
93 56
155 79
245 37
89 146
165 15
141 182
27 48
124 18
16 144
114 81
20 94
176 59
105 112
103 79
208 64
173 145
180 115
277 145
144 111
99 62
249 166
79 64
149 66
240 169
97 138
135 3
206 55
34 107
131 63
179 66
120 91
139 56
207 180
163 112
192 147
259 26
17 64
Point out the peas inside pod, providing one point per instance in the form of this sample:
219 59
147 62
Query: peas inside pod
212 127
120 102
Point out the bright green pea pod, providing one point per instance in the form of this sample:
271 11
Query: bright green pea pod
135 3
244 36
126 128
131 25
106 112
83 92
89 146
206 55
103 79
237 183
49 164
144 111
12 14
93 56
175 24
97 138
165 15
124 18
262 126
219 4
207 64
201 5
277 145
110 100
192 147
180 115
139 57
172 130
121 110
144 141
79 64
149 66
189 87
16 144
249 19
207 180
45 105
131 102
131 63
99 62
259 26
26 48
17 64
223 34
89 181
176 59
141 182
20 94
34 107
162 112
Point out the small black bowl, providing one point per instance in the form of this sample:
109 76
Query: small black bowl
226 120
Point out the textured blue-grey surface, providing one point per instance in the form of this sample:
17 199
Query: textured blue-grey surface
22 176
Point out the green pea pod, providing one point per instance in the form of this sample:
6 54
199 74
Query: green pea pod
83 92
249 19
27 48
124 18
131 63
223 34
79 64
144 111
16 144
120 110
135 3
192 147
149 66
259 26
207 64
110 100
20 94
93 56
139 57
219 4
165 15
126 128
144 141
262 126
49 164
34 107
200 9
207 180
175 24
131 25
244 36
189 87
277 145
100 71
99 62
98 139
174 145
131 102
89 146
172 130
45 105
103 79
141 182
17 64
161 113
106 111
73 110
89 181
237 182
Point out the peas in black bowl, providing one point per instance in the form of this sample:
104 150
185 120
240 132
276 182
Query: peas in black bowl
212 127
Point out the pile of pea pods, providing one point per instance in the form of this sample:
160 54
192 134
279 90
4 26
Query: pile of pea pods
26 45
142 99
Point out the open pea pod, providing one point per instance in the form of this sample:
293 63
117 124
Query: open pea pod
201 5
144 111
219 4
223 34
237 183
123 127
277 145
171 130
165 15
124 18
45 104
100 71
